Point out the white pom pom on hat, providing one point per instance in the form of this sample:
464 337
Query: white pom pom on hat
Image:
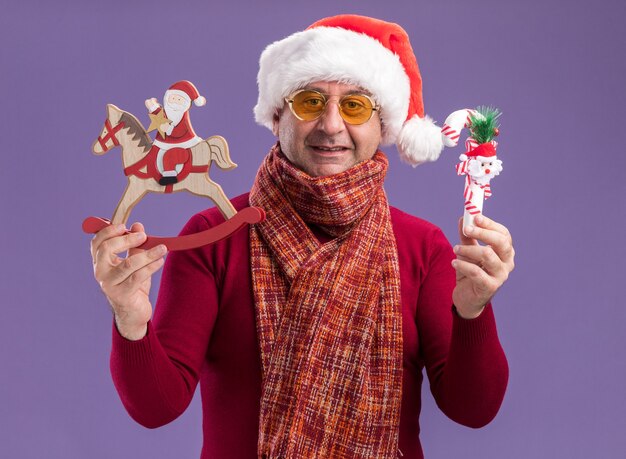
199 101
367 52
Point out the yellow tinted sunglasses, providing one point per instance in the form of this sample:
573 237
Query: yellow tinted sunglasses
308 105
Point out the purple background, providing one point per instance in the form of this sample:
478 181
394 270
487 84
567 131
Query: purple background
555 68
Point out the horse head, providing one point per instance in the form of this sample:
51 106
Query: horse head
107 138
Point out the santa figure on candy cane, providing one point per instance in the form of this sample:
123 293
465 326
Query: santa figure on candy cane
479 163
175 134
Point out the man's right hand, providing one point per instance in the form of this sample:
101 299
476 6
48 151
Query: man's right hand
126 281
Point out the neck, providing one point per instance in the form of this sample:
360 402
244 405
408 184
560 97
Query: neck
334 203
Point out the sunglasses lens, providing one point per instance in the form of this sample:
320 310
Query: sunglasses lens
356 109
308 105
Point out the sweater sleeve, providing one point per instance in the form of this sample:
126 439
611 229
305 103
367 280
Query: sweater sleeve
156 376
464 360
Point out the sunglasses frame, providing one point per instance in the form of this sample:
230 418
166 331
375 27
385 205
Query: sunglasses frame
290 100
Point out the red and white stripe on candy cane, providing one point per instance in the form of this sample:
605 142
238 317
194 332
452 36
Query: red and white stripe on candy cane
467 191
470 144
487 189
454 124
471 208
450 133
461 168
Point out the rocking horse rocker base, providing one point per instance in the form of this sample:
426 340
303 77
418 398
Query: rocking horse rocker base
249 215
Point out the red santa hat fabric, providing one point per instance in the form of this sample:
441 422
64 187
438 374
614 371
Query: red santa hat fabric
367 52
484 150
187 90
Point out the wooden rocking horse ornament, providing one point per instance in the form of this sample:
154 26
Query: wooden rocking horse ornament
177 160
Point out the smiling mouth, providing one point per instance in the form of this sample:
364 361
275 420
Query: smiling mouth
328 150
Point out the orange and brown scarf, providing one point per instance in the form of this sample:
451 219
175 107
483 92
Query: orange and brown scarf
328 314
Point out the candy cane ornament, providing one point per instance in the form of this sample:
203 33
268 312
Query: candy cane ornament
479 163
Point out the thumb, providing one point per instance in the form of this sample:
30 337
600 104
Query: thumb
136 228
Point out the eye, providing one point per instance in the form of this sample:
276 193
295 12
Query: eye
313 101
353 104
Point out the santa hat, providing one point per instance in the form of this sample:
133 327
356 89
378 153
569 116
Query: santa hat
367 52
483 151
187 90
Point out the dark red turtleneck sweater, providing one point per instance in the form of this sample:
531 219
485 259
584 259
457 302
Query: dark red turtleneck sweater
203 330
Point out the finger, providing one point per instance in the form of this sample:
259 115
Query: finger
478 277
490 237
465 240
121 294
484 257
133 264
505 249
106 255
104 234
500 243
136 228
487 223
137 278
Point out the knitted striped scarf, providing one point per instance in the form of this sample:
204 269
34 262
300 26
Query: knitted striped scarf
328 314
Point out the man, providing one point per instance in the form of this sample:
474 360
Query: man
175 137
309 332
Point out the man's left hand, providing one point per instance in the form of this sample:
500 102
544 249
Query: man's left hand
481 269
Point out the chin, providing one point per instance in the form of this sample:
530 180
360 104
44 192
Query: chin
326 170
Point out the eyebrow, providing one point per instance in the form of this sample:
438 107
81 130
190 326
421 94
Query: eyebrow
349 93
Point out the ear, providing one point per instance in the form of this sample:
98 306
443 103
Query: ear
113 113
275 123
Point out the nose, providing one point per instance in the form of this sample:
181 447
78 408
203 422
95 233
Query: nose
487 171
331 121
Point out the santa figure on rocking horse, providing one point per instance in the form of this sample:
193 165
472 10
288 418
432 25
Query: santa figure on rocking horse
175 137
177 160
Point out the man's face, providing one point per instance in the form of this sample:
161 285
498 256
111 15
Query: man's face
327 145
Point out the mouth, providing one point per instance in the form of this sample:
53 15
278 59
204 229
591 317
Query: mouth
325 150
